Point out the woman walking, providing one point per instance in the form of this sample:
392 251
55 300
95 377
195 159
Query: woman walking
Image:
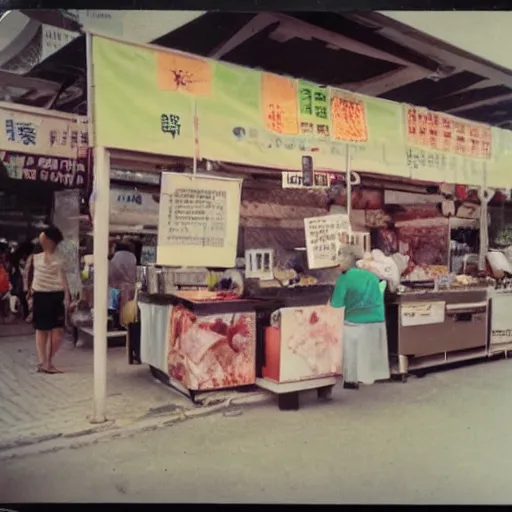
50 297
365 350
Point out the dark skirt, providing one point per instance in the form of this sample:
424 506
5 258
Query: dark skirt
48 310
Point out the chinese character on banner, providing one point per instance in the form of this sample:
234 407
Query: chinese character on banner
170 123
306 101
348 120
280 102
26 133
275 114
21 132
10 130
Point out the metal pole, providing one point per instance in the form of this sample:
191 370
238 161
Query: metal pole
101 230
348 181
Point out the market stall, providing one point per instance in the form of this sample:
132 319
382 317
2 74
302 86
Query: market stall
221 118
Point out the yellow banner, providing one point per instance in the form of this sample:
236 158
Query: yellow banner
145 99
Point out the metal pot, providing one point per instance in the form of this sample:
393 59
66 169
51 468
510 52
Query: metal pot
142 276
152 279
166 281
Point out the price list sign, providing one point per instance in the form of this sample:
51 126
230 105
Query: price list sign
322 235
194 225
197 217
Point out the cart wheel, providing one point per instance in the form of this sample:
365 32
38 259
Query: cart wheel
325 393
288 401
403 378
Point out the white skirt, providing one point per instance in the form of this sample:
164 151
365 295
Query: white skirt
365 353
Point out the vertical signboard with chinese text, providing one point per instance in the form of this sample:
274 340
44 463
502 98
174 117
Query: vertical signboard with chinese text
198 221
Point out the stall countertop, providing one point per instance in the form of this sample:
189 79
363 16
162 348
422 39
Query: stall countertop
205 307
451 296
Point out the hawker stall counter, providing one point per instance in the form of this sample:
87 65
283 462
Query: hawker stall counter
198 342
300 342
428 328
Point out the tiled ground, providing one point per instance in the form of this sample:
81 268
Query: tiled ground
35 405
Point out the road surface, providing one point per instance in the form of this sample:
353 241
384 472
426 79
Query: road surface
441 439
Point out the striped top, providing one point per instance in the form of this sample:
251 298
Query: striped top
47 273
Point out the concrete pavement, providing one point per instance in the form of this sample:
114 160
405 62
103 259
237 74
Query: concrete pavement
35 407
441 439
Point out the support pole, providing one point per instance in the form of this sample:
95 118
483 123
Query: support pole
101 231
348 181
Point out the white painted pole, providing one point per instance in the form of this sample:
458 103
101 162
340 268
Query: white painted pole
348 181
101 232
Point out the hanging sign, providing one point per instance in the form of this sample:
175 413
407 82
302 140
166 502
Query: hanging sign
41 134
422 313
441 147
62 172
322 239
129 207
294 179
198 221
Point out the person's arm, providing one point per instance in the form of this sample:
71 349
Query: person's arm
65 287
30 273
338 295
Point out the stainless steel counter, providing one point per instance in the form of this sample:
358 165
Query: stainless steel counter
432 328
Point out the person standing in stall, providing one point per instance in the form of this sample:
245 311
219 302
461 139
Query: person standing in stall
365 349
50 296
123 273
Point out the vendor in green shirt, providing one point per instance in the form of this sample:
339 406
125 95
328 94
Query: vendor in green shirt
365 350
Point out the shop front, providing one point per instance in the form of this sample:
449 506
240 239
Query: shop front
276 175
44 178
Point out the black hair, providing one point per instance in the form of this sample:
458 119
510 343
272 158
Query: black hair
54 234
120 246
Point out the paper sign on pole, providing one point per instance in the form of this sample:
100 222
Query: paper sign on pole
322 234
198 221
422 313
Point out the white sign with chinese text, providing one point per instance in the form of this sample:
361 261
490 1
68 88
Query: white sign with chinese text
422 313
132 207
39 134
198 221
53 39
322 239
293 179
501 319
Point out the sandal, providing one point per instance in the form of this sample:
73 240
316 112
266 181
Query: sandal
41 369
54 370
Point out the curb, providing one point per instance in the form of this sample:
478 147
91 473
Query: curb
109 430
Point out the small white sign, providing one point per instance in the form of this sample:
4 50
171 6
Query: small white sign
293 179
322 239
422 313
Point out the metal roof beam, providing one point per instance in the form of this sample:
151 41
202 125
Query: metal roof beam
257 24
436 49
8 79
292 27
388 81
481 103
